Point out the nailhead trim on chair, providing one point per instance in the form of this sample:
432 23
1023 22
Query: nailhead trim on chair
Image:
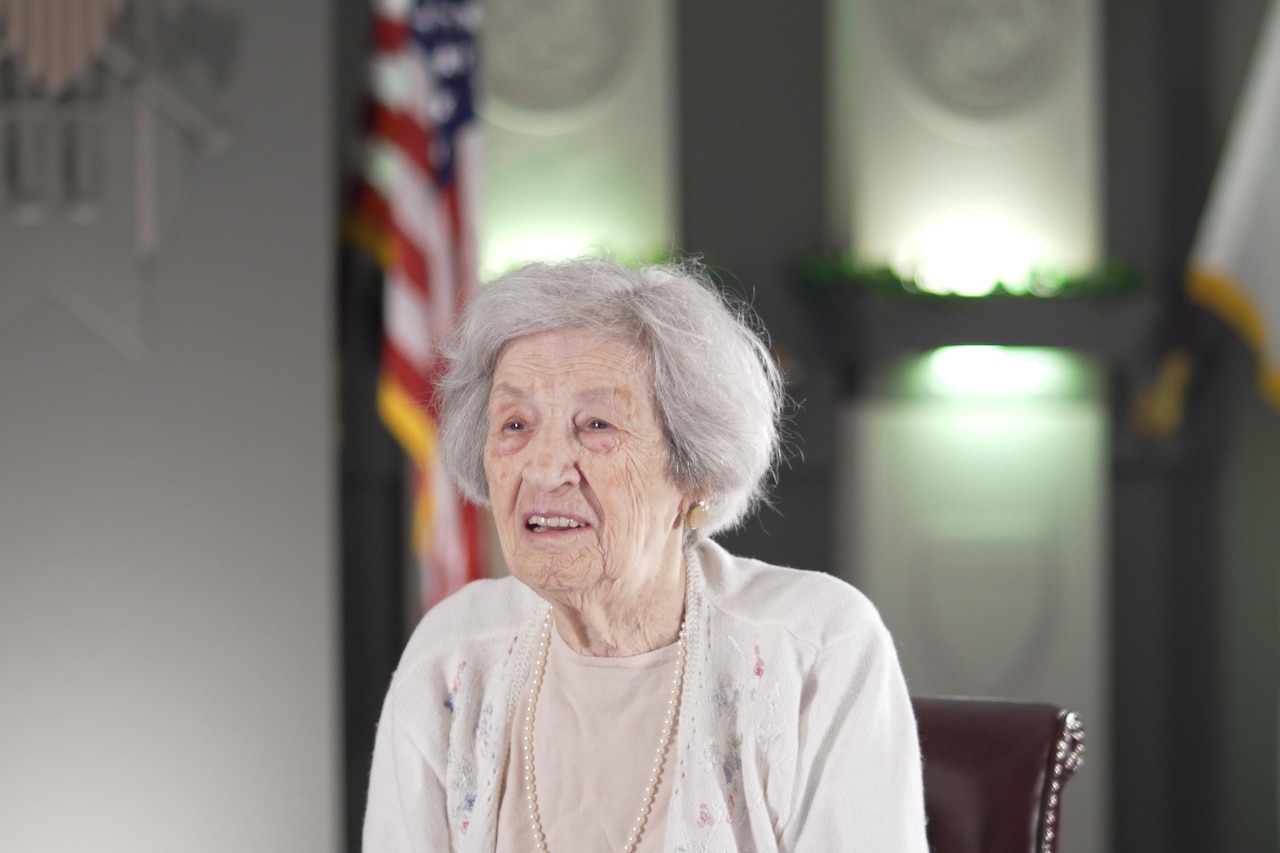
1068 756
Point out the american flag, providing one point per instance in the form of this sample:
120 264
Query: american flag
416 208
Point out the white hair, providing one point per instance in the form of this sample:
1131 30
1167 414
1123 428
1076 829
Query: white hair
716 388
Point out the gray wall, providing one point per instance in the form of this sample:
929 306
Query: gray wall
168 641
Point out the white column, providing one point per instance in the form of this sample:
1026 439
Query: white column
979 528
966 137
580 124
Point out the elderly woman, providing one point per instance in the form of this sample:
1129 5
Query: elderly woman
633 686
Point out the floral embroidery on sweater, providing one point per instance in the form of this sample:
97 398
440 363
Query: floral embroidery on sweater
453 690
468 805
737 714
731 760
461 773
461 783
755 666
769 725
484 725
726 695
710 814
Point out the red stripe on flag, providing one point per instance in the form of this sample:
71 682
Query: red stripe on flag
409 259
411 138
389 35
416 384
463 274
371 203
473 533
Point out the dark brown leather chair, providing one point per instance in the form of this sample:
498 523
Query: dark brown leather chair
994 771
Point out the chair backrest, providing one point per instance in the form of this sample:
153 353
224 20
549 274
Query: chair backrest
994 771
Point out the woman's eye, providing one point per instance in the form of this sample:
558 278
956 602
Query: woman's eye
513 426
597 423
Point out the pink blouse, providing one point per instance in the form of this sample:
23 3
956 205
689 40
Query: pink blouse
597 726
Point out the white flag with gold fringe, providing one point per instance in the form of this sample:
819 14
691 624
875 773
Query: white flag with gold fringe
1235 262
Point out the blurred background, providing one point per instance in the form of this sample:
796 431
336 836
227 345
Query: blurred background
1013 258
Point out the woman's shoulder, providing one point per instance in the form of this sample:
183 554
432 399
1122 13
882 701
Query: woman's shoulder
813 607
483 615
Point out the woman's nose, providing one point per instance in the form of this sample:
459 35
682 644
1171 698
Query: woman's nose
554 461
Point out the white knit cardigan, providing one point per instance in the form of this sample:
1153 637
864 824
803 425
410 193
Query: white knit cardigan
795 733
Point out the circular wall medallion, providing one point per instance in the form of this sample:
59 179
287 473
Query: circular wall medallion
979 58
553 64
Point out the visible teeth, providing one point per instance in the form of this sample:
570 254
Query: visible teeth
539 522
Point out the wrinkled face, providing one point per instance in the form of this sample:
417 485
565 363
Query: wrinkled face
576 465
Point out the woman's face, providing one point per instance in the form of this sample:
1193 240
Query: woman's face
577 465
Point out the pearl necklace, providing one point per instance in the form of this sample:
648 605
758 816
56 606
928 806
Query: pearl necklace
659 756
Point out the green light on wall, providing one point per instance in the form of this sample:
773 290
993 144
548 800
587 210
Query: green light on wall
997 372
967 256
499 256
552 226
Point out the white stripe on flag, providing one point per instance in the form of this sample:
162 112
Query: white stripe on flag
396 10
406 324
415 207
399 81
390 81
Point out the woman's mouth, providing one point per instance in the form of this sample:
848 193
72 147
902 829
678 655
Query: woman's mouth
541 523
